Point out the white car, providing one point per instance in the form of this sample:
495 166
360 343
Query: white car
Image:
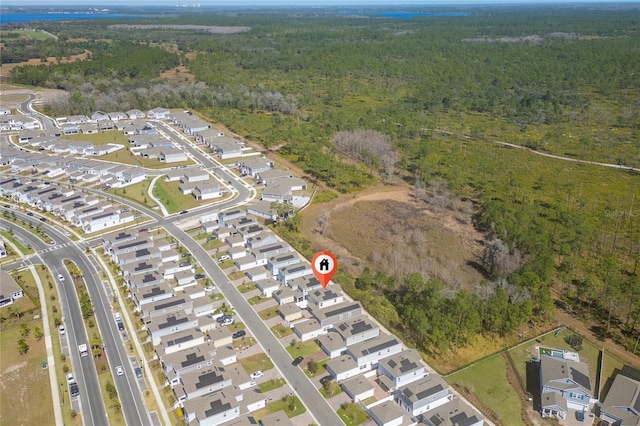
256 374
70 378
223 258
227 321
62 330
119 371
60 277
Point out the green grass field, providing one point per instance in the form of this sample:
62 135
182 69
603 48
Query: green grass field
302 349
353 414
256 362
34 35
291 405
488 380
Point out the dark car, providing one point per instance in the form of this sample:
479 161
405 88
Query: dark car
29 213
185 255
224 318
212 237
120 326
297 361
74 390
138 372
43 219
199 276
238 334
326 379
183 264
184 212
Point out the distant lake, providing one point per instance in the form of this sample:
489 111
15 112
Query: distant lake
58 16
402 15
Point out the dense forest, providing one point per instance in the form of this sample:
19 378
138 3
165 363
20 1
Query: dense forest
429 94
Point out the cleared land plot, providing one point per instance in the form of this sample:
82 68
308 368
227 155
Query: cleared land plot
488 380
24 381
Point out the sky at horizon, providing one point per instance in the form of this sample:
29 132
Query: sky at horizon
304 3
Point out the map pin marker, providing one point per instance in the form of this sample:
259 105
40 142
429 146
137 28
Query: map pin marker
324 264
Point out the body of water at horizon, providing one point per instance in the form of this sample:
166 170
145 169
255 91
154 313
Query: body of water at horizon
6 18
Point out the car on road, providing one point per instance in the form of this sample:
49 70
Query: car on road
238 334
144 230
119 370
70 378
297 361
7 206
256 374
60 277
62 330
184 212
29 213
74 390
43 219
199 276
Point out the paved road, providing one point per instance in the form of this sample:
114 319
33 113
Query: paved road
130 395
92 408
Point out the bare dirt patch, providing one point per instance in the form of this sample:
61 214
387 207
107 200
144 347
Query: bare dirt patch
5 69
179 73
385 229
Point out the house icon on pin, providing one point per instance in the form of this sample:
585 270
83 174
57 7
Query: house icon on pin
324 265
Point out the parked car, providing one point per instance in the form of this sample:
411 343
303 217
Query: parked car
62 330
211 237
209 288
297 361
183 264
199 276
326 379
223 258
138 372
120 326
238 334
70 378
223 318
184 212
185 255
580 416
256 374
119 370
74 390
227 321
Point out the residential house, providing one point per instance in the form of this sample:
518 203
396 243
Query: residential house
325 297
331 343
290 313
308 329
170 323
276 262
267 286
424 394
212 410
179 341
291 272
201 382
401 369
569 379
9 289
264 210
159 113
343 367
359 388
336 313
254 166
368 353
453 413
387 413
622 403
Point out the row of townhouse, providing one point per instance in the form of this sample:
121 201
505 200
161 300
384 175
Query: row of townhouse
44 142
89 212
196 182
18 122
77 169
189 123
97 116
357 348
195 351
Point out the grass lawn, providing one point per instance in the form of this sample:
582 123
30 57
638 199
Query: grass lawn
271 385
291 405
496 393
353 414
271 312
281 330
302 349
245 288
34 35
236 275
226 263
256 300
334 389
170 196
136 193
256 362
25 393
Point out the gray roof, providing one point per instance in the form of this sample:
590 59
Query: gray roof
388 411
623 396
556 370
402 363
357 385
355 326
453 413
279 418
553 399
424 388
